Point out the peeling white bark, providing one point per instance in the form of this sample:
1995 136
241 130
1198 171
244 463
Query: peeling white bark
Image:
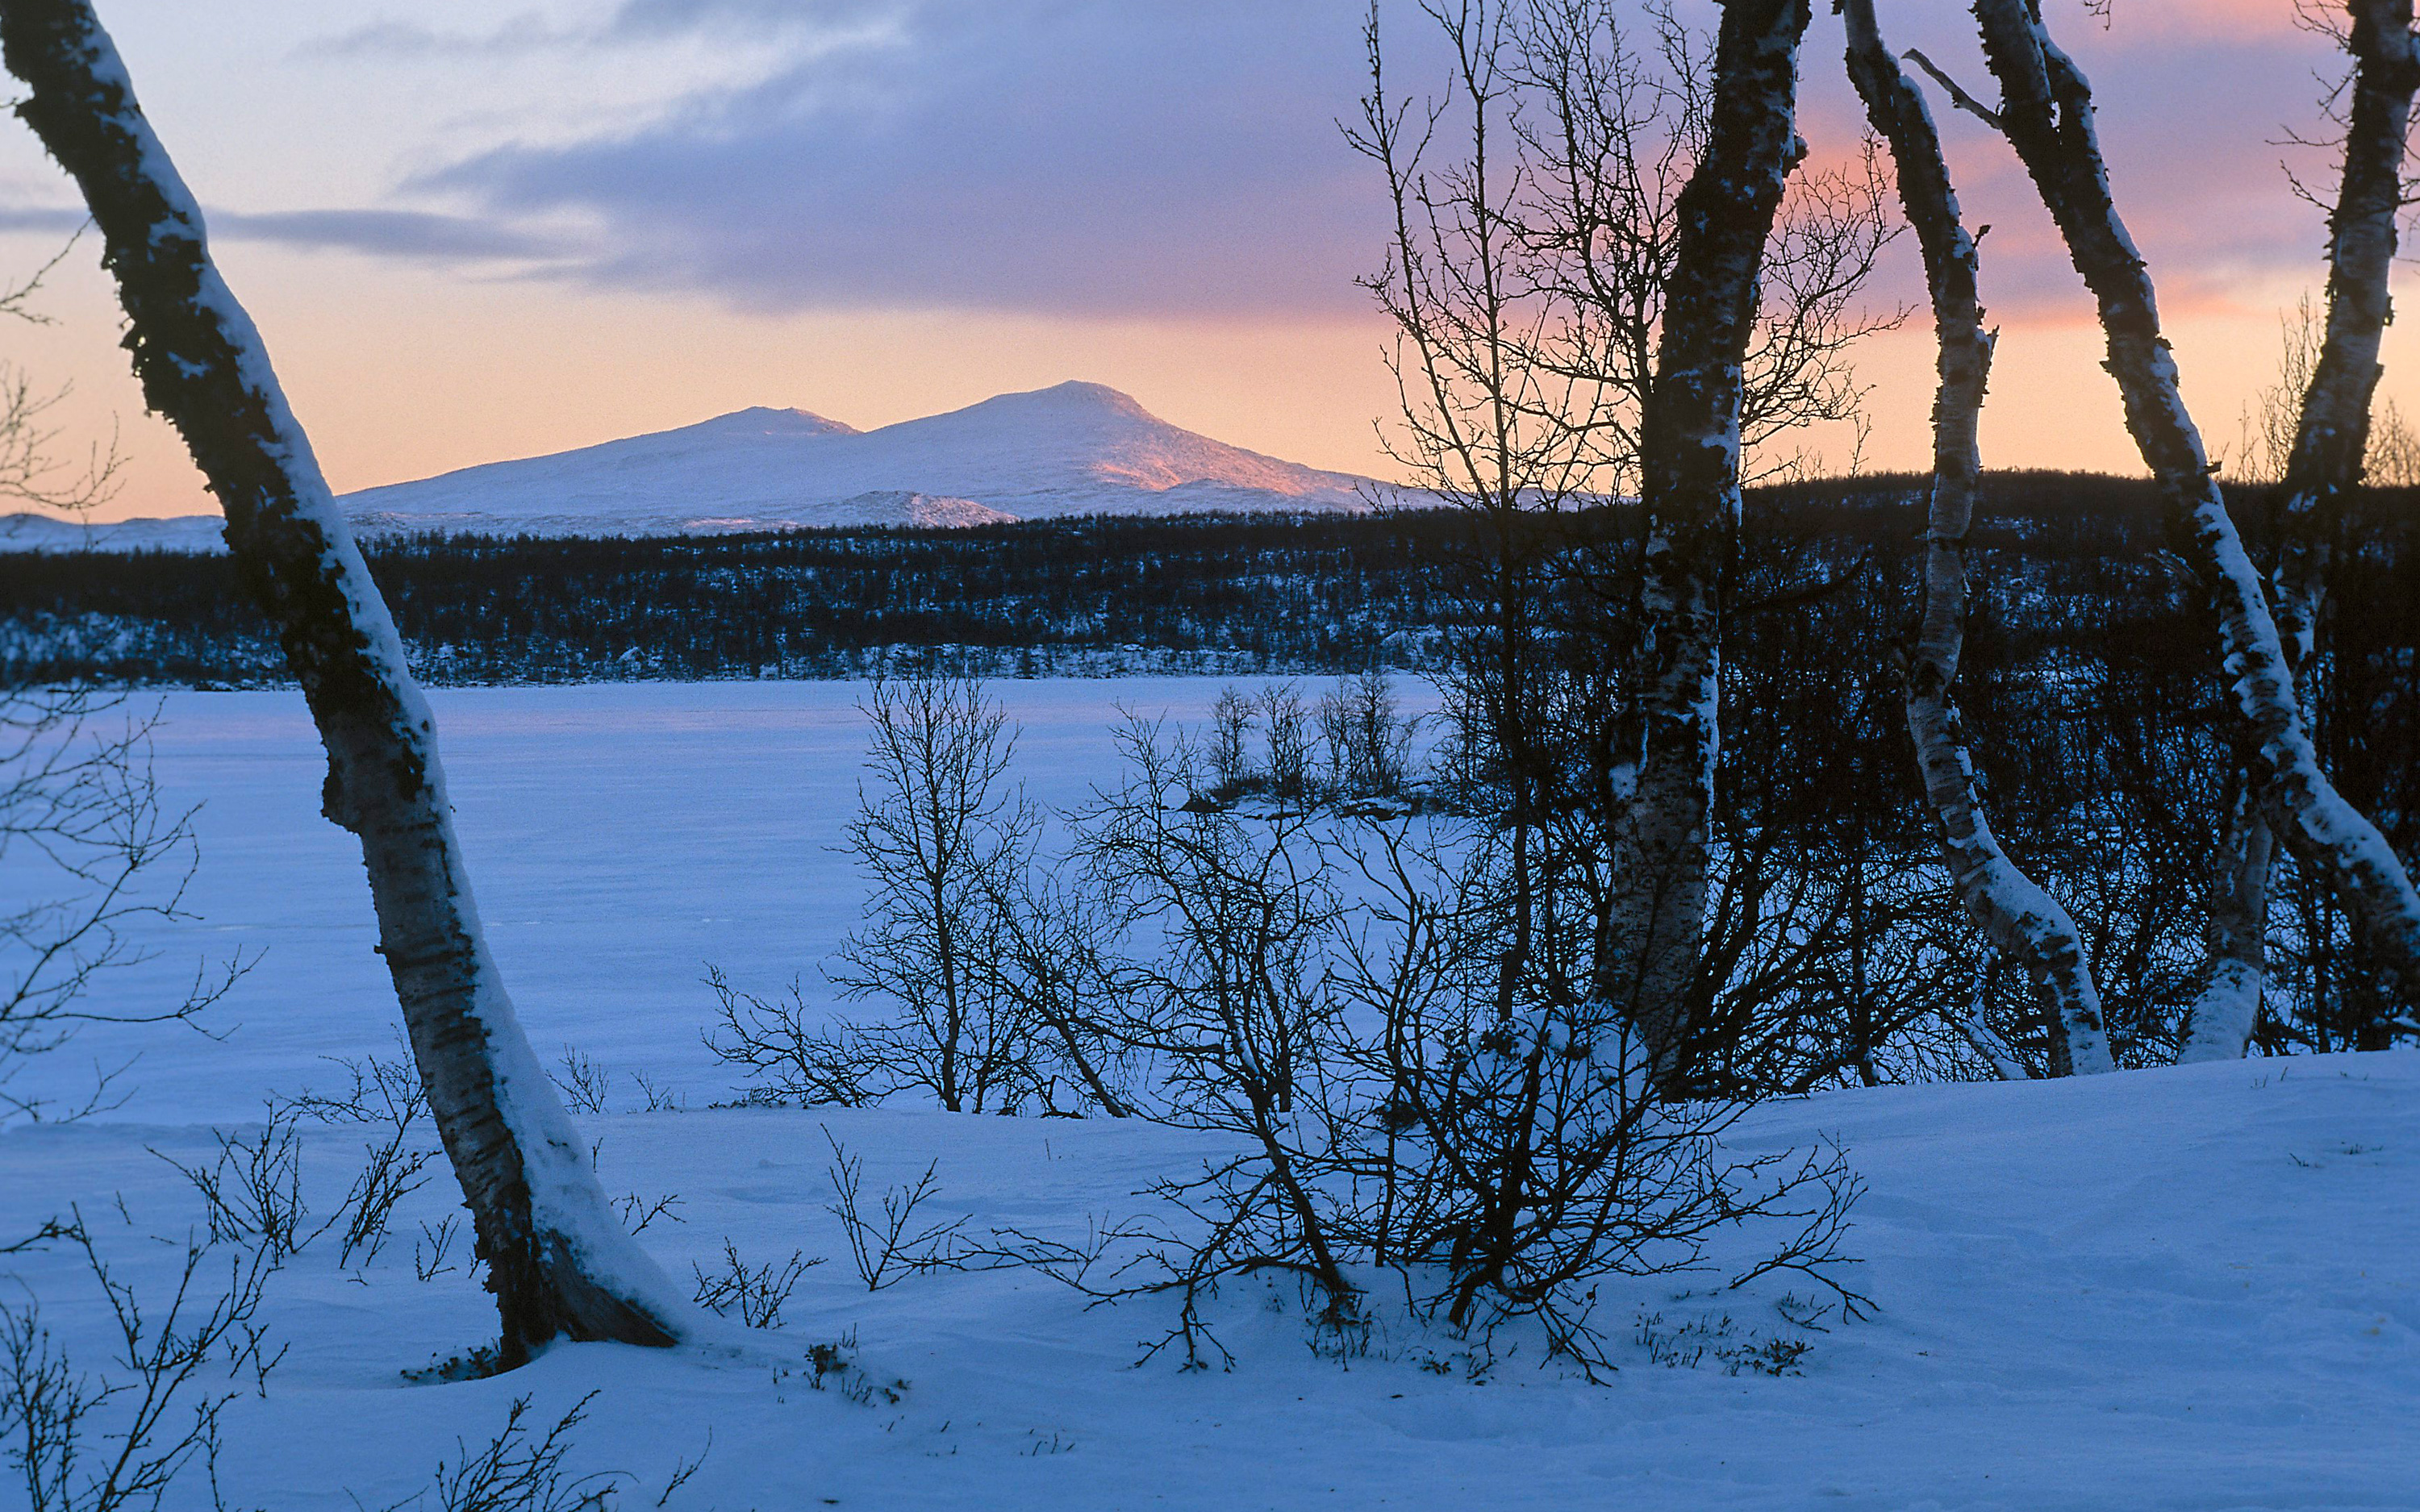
2332 435
2046 112
1649 961
2219 1025
2014 912
559 1263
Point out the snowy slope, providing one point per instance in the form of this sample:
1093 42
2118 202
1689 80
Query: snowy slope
1078 448
2176 1290
27 531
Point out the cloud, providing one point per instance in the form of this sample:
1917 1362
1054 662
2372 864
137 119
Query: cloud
1156 158
521 33
1068 155
60 219
657 18
413 234
635 22
383 233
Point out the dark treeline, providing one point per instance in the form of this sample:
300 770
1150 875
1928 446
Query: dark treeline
1297 594
1291 593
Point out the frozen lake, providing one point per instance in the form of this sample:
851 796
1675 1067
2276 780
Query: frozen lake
621 836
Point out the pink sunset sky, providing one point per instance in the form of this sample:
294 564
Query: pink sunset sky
474 230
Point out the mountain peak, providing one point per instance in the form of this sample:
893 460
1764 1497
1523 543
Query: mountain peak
764 420
1075 396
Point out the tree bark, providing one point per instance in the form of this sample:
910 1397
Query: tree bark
1650 965
557 1262
2046 113
2333 432
2017 913
2331 439
2219 1025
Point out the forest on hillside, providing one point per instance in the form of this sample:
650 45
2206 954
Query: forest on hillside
2061 559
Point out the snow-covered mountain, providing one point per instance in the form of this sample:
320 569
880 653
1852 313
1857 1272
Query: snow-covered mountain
28 531
1074 449
1078 448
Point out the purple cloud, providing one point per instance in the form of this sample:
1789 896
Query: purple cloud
1164 157
1089 158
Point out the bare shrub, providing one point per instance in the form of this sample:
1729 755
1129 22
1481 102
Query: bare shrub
756 1292
1369 742
1225 1001
889 1249
254 1189
384 1095
118 1440
936 829
988 963
1506 1158
524 1470
637 1211
1289 742
586 1087
79 809
1051 953
432 1252
1231 772
787 1056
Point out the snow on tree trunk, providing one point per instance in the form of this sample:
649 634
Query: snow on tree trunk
2046 113
2016 913
2333 431
2219 1025
558 1262
1689 454
2331 436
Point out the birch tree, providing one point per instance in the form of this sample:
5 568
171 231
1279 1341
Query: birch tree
2046 113
1648 962
2017 913
559 1264
2331 441
1610 284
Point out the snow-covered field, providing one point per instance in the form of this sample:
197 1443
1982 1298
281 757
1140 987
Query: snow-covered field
2191 1288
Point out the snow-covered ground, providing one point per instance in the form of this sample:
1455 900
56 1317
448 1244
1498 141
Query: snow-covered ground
2190 1288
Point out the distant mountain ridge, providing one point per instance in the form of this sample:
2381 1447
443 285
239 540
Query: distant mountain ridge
1073 449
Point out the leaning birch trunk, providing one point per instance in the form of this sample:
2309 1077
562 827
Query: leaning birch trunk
2331 436
2047 116
557 1262
1648 963
2017 913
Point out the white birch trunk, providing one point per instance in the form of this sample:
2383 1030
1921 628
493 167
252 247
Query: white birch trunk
559 1263
2332 432
2017 913
1649 963
2330 437
2047 115
2219 1025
